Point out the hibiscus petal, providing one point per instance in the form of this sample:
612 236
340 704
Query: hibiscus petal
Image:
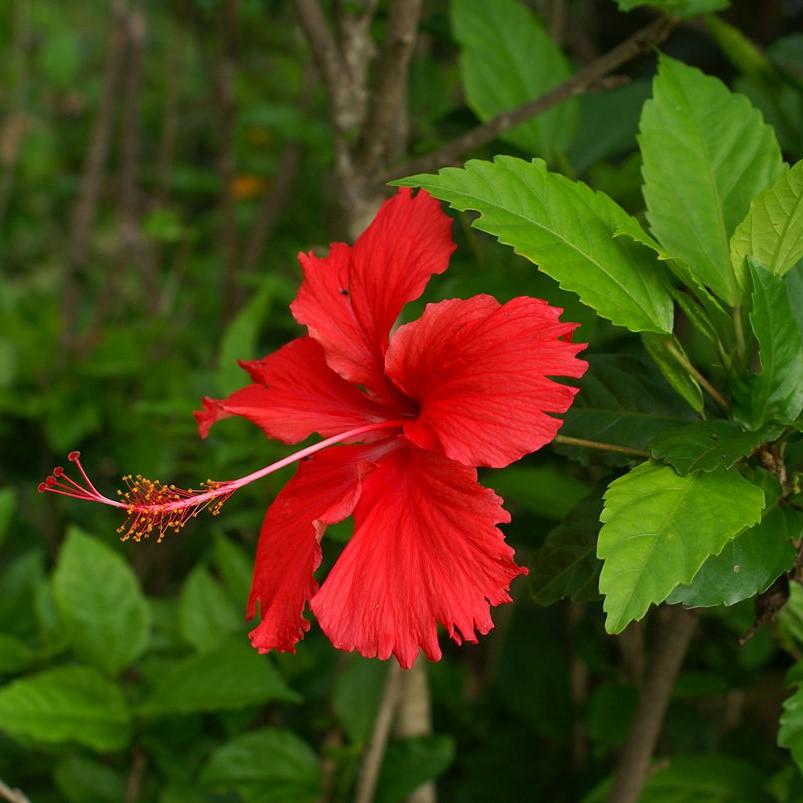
479 371
426 550
295 393
350 300
323 491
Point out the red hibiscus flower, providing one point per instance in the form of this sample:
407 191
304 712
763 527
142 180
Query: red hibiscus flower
415 413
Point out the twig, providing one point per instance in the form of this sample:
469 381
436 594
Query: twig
12 795
566 440
389 89
589 76
133 783
672 642
415 718
684 363
372 760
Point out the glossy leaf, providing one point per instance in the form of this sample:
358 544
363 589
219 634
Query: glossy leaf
709 445
410 763
772 231
66 704
205 614
507 59
707 153
234 567
15 654
230 677
658 530
567 229
748 564
567 565
99 600
81 780
6 509
265 766
623 400
776 392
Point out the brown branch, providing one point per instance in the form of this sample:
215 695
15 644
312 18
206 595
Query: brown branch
415 718
389 90
133 783
567 440
372 760
672 642
12 795
588 77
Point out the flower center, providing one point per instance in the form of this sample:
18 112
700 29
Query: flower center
152 506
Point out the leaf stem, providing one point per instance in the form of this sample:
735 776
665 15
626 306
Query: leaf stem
683 361
741 347
566 440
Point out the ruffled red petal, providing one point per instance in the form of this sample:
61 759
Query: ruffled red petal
295 393
323 491
350 299
479 371
426 550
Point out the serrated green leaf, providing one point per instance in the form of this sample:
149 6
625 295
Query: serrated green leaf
105 614
660 348
66 704
265 766
567 229
233 676
658 530
567 565
506 59
234 567
81 780
772 231
205 614
240 339
6 509
709 445
623 400
748 564
410 763
15 655
707 153
678 8
357 692
776 392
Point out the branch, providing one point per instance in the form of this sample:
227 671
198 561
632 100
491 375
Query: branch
372 760
567 440
133 783
589 76
389 90
12 795
672 639
415 718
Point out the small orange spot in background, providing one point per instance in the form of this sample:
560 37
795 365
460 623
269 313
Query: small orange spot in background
246 186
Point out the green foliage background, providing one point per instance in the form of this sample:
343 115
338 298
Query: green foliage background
125 671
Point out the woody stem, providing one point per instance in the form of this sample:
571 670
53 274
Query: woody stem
607 447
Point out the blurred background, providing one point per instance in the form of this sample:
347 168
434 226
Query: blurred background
161 164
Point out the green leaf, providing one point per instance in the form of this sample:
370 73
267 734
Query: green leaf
678 8
66 704
661 349
358 689
544 490
709 445
105 614
707 153
234 567
240 339
81 780
776 393
623 400
205 614
6 511
507 59
266 766
748 564
772 231
233 676
410 763
567 229
566 565
790 734
15 655
658 530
